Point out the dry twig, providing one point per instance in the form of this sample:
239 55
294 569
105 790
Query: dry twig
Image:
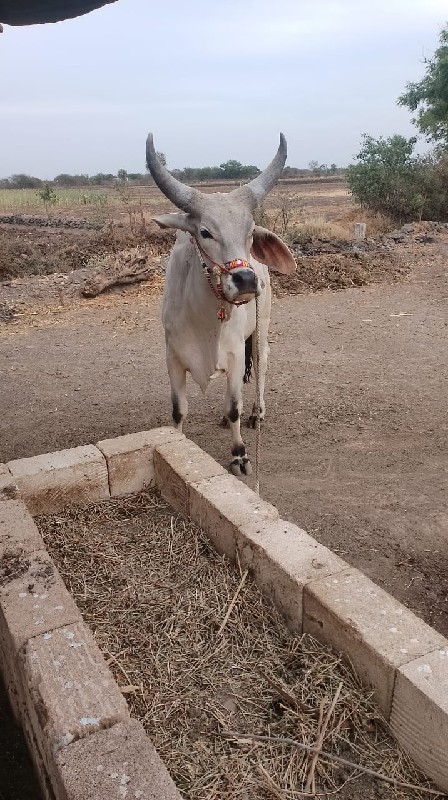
321 735
283 740
232 604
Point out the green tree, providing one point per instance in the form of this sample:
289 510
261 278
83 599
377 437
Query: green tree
122 175
22 181
65 179
101 178
388 177
231 169
429 97
234 170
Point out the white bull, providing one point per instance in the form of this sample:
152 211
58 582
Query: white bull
216 269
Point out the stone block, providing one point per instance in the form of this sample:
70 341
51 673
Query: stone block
419 718
18 531
33 600
224 506
282 559
177 466
8 488
130 460
362 621
51 482
70 692
120 762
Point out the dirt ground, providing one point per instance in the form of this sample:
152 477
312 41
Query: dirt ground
354 448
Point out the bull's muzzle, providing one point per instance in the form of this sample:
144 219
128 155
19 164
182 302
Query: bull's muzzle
245 282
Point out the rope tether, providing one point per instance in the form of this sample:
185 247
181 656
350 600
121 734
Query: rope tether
217 270
257 395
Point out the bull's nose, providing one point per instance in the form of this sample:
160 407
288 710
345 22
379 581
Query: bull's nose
245 281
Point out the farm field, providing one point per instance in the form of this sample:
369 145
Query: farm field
354 448
102 203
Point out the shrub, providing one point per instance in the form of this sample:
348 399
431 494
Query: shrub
48 197
390 179
435 188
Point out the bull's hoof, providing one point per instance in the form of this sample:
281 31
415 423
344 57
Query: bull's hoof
241 466
225 422
252 420
247 466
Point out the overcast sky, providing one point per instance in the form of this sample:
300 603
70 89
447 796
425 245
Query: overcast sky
213 80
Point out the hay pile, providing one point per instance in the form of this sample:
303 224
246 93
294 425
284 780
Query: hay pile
156 595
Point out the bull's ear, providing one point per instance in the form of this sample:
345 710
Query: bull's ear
182 222
270 250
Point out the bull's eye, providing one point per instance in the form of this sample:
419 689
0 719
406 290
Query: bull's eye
206 234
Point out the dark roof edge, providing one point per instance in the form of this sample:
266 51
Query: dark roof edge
21 12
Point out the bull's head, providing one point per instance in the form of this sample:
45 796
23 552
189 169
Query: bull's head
223 225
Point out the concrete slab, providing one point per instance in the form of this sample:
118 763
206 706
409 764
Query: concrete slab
8 488
18 531
33 600
419 718
177 466
19 538
358 618
112 765
224 506
53 481
130 461
283 559
70 691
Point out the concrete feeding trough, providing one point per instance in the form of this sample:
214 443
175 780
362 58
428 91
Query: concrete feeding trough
80 739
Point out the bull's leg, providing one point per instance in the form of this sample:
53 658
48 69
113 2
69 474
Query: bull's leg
264 352
240 464
178 380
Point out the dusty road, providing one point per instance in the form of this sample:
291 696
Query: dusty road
354 448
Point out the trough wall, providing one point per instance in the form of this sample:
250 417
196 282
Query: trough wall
78 728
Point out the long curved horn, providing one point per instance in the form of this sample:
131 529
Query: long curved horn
255 191
182 196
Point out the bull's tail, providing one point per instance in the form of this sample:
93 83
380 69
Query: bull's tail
248 360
